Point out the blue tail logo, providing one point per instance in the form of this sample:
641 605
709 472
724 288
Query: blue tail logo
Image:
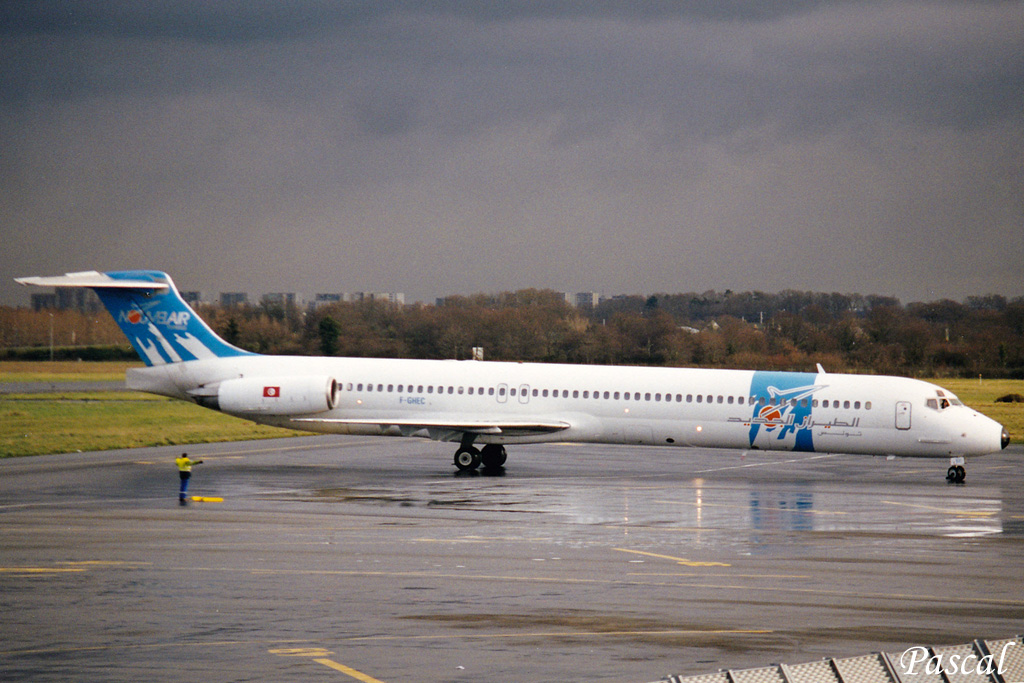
157 321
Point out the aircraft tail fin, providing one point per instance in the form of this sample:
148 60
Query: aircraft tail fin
149 310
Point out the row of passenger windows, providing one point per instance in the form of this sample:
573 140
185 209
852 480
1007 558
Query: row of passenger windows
502 391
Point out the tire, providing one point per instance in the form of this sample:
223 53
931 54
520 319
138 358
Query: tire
467 459
493 456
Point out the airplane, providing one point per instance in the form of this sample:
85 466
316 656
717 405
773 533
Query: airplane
486 405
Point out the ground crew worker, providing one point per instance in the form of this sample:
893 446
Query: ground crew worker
185 473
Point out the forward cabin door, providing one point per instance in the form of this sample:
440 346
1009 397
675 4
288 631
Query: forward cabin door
903 415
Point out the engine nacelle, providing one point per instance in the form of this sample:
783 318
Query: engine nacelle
290 395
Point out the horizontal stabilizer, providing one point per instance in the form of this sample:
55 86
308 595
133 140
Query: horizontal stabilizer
89 278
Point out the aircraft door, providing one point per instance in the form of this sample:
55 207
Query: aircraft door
502 394
902 415
524 393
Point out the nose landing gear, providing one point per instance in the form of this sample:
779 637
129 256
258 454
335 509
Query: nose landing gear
956 472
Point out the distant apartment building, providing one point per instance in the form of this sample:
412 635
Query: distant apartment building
280 299
587 299
326 299
67 299
232 299
192 298
44 301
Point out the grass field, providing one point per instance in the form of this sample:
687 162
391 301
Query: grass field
34 424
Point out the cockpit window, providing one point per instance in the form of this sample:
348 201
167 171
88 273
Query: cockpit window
943 401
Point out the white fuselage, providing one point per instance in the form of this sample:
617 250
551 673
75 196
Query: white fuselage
738 409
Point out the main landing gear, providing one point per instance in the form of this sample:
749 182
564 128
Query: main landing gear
956 472
468 458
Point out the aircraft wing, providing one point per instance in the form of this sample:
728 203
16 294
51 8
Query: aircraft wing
491 427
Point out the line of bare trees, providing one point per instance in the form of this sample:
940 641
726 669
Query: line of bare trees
784 331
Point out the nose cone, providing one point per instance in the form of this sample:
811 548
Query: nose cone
1005 439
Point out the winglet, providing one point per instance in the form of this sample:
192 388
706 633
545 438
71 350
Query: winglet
821 370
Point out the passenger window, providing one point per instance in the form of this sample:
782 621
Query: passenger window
740 399
359 387
451 390
535 392
679 398
636 396
721 399
867 406
607 395
711 399
730 400
391 388
846 404
657 397
700 399
689 398
471 391
625 396
544 393
460 390
616 395
575 393
856 405
430 389
490 391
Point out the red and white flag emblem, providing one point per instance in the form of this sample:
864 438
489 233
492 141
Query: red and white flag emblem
271 392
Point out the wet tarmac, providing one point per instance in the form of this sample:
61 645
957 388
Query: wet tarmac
342 558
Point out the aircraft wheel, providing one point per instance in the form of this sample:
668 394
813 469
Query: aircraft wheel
493 456
961 474
467 458
951 473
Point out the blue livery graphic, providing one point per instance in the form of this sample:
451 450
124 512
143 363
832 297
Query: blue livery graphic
159 324
781 415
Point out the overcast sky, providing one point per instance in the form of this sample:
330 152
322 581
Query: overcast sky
442 148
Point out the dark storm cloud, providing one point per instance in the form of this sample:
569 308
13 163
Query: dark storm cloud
445 147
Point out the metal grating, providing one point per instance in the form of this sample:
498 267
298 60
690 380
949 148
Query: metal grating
911 667
956 658
1004 658
869 669
1008 658
812 672
767 675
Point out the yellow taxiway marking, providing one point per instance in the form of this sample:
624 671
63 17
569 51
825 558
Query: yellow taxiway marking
348 671
39 570
319 656
206 499
946 511
679 560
